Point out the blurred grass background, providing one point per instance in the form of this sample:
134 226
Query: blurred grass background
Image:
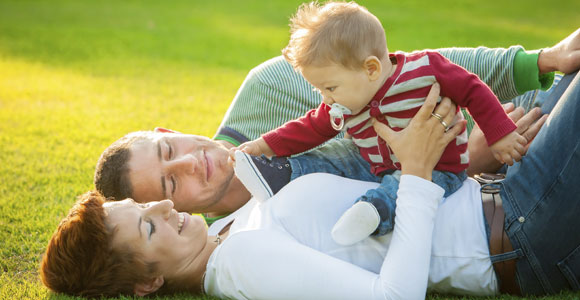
77 75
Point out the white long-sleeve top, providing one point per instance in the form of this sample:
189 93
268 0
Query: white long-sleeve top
282 248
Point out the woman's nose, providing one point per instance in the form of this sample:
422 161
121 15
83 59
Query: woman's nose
163 208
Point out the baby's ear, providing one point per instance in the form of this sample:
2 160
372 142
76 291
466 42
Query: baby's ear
373 67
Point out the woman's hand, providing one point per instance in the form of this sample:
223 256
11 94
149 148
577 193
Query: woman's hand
480 157
420 145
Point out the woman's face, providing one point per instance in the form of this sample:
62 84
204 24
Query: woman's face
158 232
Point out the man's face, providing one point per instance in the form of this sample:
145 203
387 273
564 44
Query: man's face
192 171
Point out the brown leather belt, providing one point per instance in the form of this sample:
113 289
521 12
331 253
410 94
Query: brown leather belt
499 242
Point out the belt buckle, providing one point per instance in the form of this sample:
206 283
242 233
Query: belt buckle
487 181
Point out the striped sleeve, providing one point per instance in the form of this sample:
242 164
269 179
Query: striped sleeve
272 94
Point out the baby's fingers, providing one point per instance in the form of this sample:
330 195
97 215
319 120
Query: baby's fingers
498 157
231 153
521 149
507 159
515 155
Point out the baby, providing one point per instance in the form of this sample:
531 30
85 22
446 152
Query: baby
341 49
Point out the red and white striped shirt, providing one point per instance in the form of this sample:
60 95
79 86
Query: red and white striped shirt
396 102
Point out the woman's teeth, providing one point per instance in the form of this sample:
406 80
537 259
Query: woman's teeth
180 222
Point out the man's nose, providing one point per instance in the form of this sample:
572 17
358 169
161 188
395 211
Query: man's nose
186 164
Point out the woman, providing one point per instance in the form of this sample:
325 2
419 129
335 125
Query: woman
281 249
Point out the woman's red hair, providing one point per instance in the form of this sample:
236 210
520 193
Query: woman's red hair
80 261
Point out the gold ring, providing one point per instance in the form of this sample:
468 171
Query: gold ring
440 118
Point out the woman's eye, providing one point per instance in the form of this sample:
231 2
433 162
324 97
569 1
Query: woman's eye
169 151
151 228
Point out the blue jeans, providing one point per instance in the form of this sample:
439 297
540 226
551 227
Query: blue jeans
384 197
541 198
342 158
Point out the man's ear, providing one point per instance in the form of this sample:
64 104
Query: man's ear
373 67
149 286
162 130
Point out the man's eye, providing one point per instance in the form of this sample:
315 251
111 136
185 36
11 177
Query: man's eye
173 185
331 89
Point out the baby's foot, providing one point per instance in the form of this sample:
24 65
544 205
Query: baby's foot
262 177
356 224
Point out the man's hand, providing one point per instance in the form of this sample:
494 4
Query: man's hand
563 57
509 148
480 157
256 147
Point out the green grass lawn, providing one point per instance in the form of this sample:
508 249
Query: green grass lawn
77 75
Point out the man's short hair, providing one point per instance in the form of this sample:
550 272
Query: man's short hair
112 170
337 32
80 260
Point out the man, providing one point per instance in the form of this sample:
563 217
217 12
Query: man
194 172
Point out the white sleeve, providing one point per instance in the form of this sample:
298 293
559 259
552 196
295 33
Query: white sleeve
405 270
269 265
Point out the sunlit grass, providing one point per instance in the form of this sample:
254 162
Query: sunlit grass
77 75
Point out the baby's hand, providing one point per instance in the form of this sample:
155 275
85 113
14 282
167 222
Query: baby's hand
509 148
256 147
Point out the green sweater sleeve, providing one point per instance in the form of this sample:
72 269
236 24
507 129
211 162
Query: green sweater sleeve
526 73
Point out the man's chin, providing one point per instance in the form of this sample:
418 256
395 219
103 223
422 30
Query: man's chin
214 202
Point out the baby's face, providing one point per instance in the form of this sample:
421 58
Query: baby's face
338 84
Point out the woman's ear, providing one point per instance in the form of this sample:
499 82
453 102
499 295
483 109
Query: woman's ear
149 286
373 67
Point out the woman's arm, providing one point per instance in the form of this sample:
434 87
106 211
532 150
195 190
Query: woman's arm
251 267
274 264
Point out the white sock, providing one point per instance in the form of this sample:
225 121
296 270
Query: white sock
356 224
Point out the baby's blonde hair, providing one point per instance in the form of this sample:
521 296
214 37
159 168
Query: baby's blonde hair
336 32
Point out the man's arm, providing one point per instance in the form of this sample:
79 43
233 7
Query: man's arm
273 93
564 57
